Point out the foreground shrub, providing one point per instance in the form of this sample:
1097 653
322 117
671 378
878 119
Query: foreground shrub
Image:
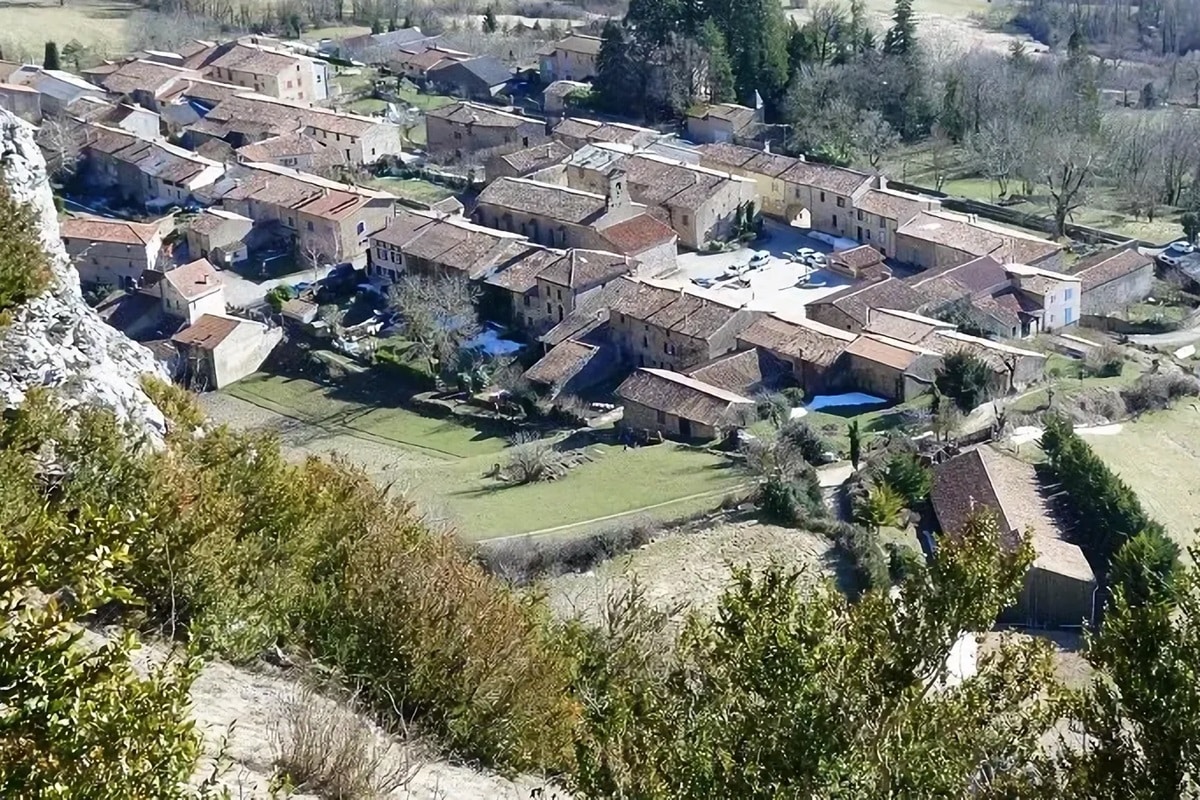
24 266
524 560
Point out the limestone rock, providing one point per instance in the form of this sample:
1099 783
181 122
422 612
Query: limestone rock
56 341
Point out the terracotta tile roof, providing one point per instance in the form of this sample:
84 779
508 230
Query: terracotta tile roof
808 341
537 157
854 301
675 310
563 88
287 188
145 76
583 269
746 372
888 353
253 112
1110 265
195 279
521 273
896 206
544 200
903 326
254 60
591 130
212 220
574 43
488 70
680 395
424 58
977 239
638 234
858 258
747 158
478 114
159 159
979 275
403 228
108 230
994 354
738 116
562 363
825 176
207 332
291 144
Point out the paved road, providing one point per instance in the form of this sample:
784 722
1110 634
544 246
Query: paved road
246 293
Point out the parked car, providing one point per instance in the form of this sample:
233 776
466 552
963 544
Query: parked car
1176 252
759 260
704 283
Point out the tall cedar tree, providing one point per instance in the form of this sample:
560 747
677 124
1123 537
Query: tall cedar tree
616 78
756 33
901 38
489 20
50 60
720 69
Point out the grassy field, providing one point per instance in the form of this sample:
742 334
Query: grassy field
912 165
26 26
447 465
1159 456
411 189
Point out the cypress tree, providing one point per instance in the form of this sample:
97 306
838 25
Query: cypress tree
720 70
50 61
901 38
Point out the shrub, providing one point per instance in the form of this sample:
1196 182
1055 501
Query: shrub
531 459
24 265
774 408
1145 567
869 563
524 560
801 435
906 475
794 395
277 297
329 749
903 562
880 508
792 500
964 377
1105 361
1157 391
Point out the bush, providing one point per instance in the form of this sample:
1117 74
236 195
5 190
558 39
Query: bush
1157 391
415 373
531 459
880 508
522 561
804 438
866 556
790 501
1105 361
906 475
794 395
329 749
774 408
278 296
903 562
24 265
964 378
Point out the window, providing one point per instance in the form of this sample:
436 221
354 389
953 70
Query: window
1052 318
372 151
822 197
1068 316
1051 298
797 192
337 137
662 417
289 84
361 227
549 308
1068 294
835 220
686 221
560 294
525 141
868 234
645 342
309 225
527 299
841 202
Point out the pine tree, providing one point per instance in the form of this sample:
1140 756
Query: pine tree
855 437
489 21
376 26
616 82
720 70
901 38
408 21
757 36
50 61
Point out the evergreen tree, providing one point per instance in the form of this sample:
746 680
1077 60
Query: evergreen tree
654 21
616 85
392 24
853 433
901 38
376 26
50 61
951 117
756 35
859 34
408 23
720 70
1190 220
489 20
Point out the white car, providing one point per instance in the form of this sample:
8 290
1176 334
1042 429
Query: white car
1175 253
759 260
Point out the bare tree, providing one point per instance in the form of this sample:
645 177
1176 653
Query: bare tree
940 157
1134 162
59 139
438 314
998 148
876 137
827 24
1178 145
1069 165
531 459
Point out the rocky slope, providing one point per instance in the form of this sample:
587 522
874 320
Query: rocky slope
56 341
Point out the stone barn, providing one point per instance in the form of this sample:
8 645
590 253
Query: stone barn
675 405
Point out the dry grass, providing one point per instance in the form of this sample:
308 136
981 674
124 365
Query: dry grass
329 749
99 24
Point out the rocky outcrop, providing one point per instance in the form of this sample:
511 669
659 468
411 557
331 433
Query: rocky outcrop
56 341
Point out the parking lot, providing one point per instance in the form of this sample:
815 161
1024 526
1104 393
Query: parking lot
775 287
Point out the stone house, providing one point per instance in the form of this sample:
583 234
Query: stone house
463 129
552 215
415 62
675 405
328 221
721 122
478 78
646 240
58 89
563 283
220 236
887 368
765 168
21 101
824 196
571 368
187 292
1060 587
112 252
556 98
702 205
264 70
434 244
141 122
655 326
848 309
806 348
575 132
248 118
146 83
298 151
1114 279
1057 295
862 263
144 171
525 162
515 297
217 351
879 213
572 58
376 48
744 372
935 239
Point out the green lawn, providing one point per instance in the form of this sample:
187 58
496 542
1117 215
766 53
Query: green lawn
833 424
665 481
1159 457
1069 383
411 189
618 481
319 405
411 95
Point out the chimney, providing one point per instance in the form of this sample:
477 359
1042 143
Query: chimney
767 146
615 196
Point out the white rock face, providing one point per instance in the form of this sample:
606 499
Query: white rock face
56 340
